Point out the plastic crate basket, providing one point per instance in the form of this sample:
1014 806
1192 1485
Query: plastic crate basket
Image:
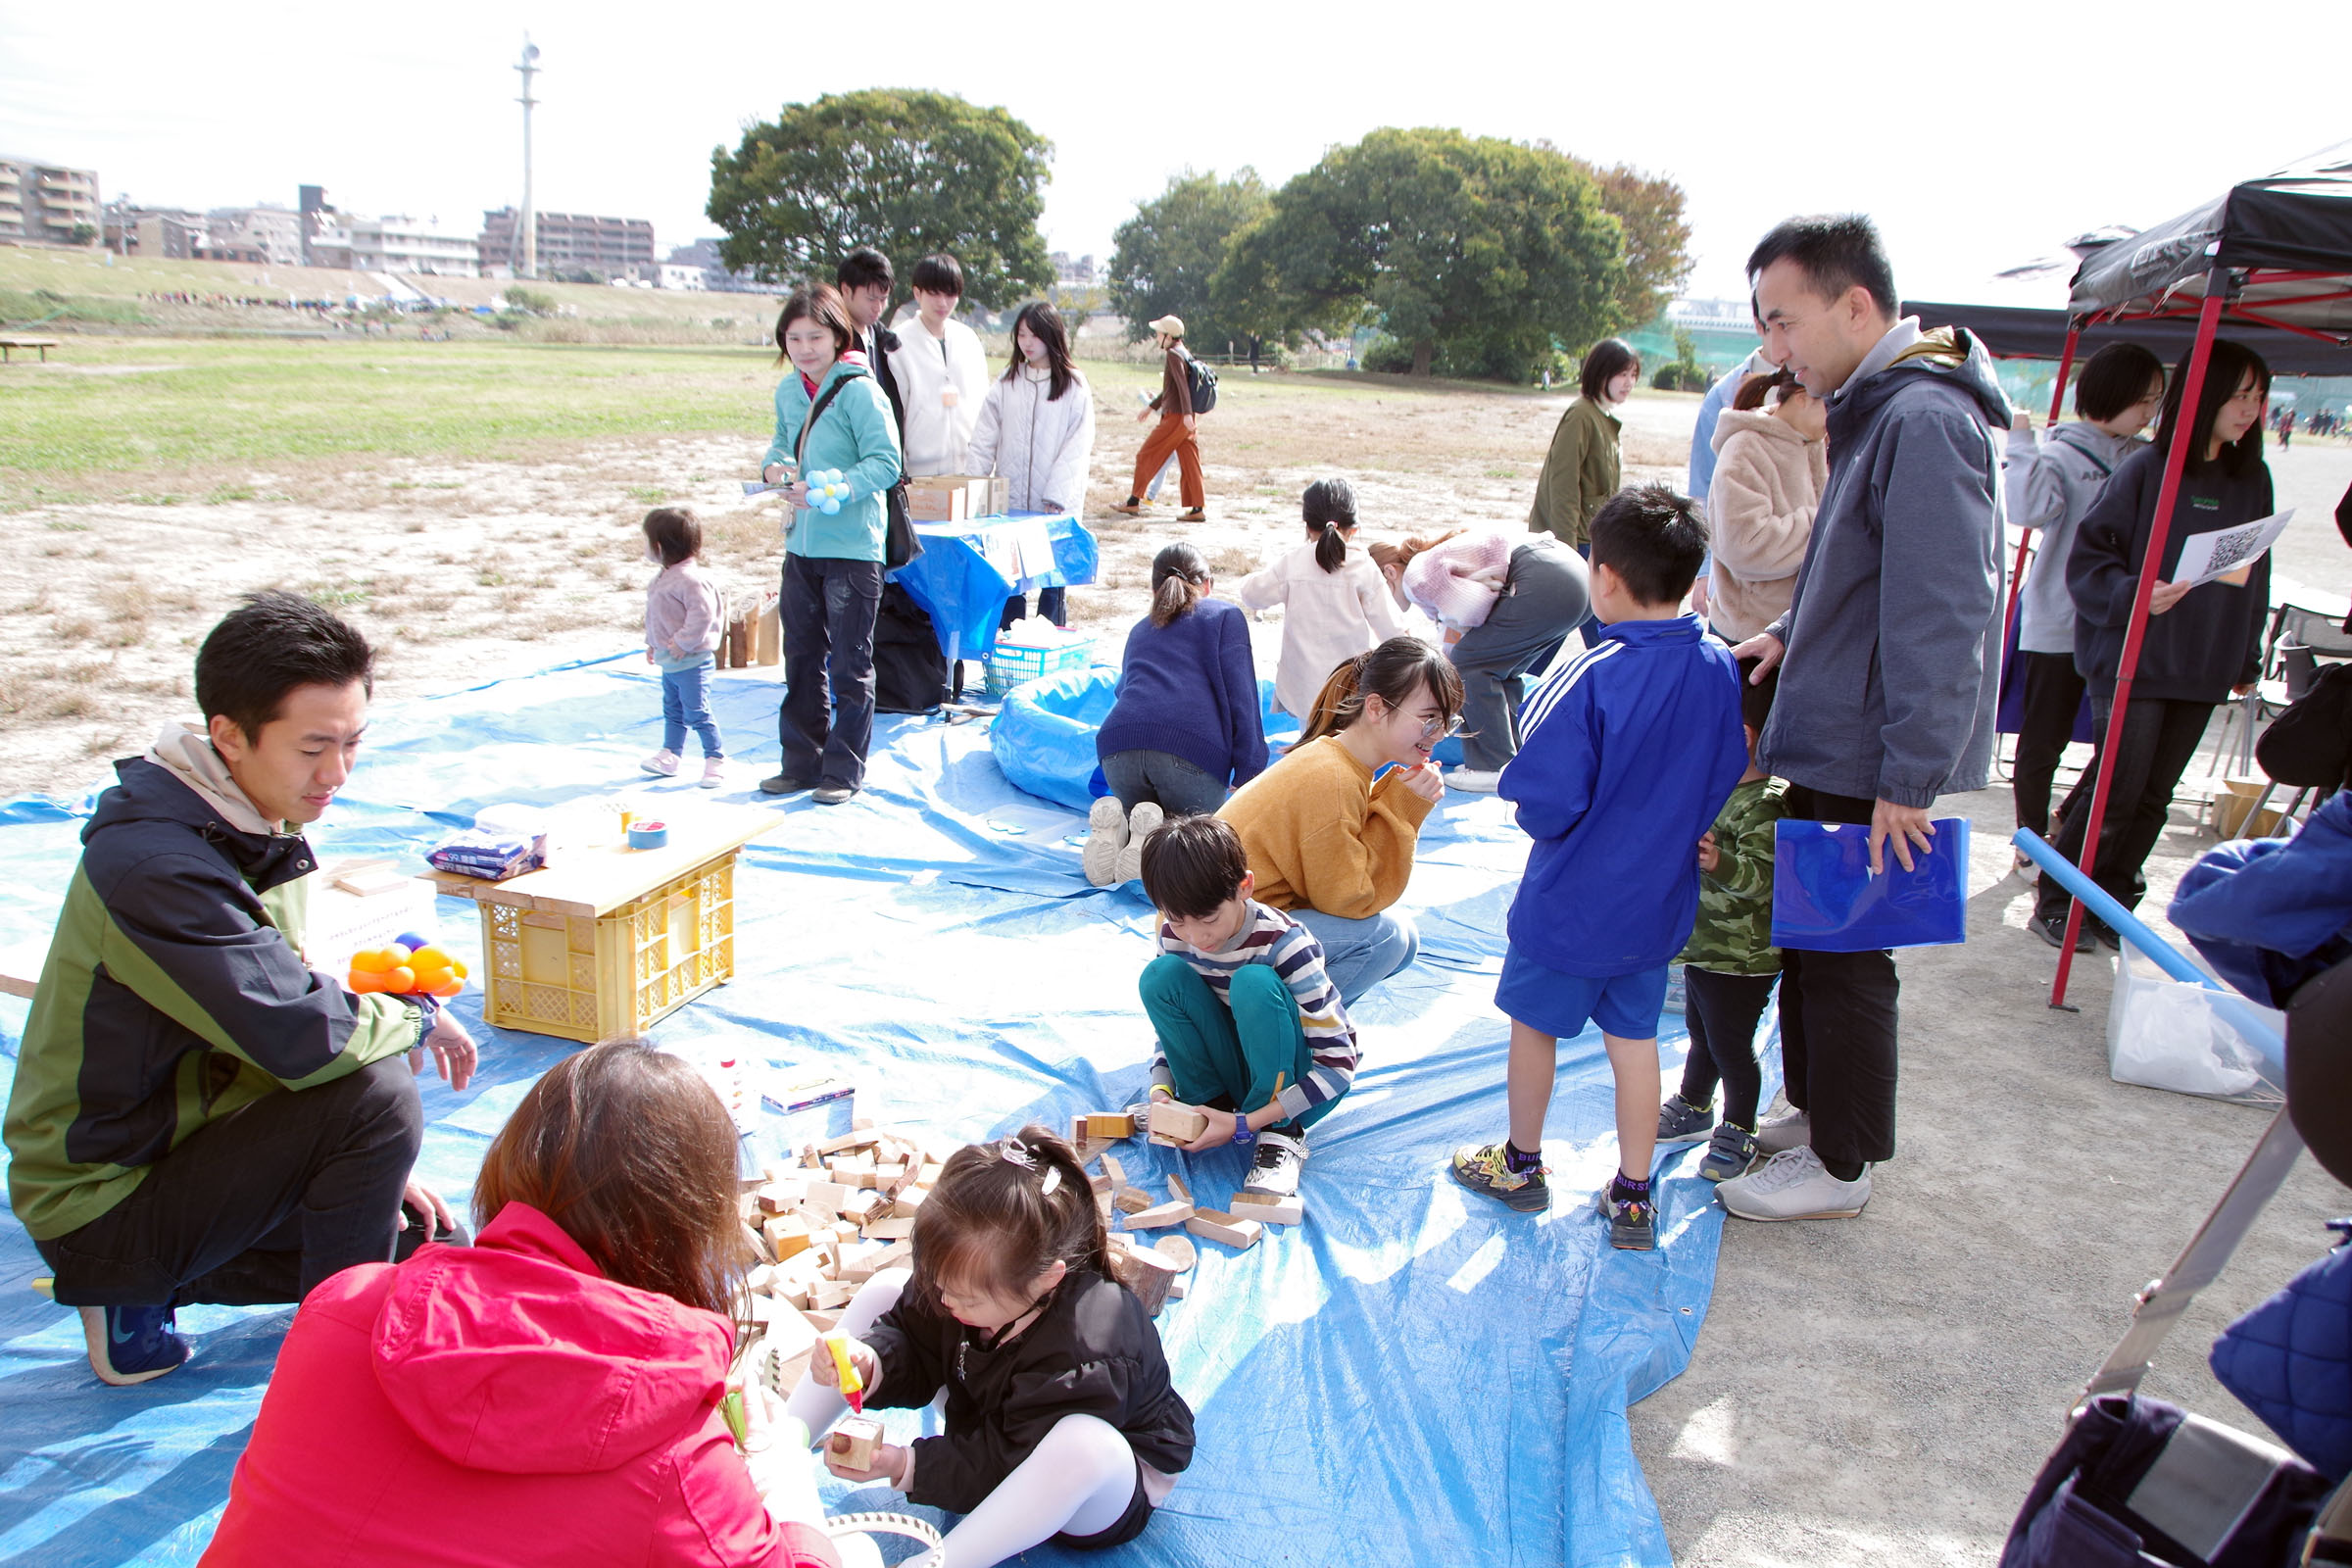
593 979
1016 665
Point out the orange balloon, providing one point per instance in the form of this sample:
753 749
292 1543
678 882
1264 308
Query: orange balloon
401 981
449 990
430 981
457 966
373 961
362 981
396 955
428 958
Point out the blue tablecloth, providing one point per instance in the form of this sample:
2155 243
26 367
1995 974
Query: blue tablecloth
960 583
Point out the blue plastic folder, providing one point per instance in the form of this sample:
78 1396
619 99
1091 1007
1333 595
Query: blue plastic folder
1823 898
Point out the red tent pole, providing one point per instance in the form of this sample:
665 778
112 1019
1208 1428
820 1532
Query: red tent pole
2017 573
2209 320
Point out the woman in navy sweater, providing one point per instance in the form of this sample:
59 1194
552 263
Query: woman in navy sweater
1185 725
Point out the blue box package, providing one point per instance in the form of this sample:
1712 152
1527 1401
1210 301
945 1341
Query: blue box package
1825 899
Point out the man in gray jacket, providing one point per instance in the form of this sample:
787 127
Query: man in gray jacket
1891 669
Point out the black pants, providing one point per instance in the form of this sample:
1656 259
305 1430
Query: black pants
1722 1010
1052 602
827 720
2053 695
1837 1025
2160 735
258 1206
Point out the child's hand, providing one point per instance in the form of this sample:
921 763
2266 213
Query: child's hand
890 1464
1708 856
650 659
1424 780
1216 1135
861 1356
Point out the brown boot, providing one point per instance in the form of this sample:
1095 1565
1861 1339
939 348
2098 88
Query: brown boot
1197 514
1133 506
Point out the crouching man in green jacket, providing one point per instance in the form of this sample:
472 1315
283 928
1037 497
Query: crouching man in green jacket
196 1115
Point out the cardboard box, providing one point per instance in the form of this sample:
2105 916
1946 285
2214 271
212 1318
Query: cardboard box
958 497
2235 803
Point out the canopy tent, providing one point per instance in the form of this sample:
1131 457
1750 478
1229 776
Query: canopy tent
2023 332
2275 253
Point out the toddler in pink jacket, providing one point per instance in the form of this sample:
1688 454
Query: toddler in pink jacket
682 630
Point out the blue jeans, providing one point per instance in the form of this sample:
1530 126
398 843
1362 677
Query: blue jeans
1360 955
1179 787
685 705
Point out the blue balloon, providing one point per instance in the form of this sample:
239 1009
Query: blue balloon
831 506
411 941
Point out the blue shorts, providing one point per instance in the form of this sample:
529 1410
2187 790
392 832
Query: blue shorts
1626 1005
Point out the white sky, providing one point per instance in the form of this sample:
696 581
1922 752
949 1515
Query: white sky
1960 131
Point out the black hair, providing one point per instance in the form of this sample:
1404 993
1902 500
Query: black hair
270 643
823 304
1044 321
1652 539
863 268
938 275
1002 1214
1193 865
1835 252
1178 575
2114 378
1391 671
676 533
1327 506
1604 363
2229 363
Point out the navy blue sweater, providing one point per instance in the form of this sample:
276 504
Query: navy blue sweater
1191 687
1628 753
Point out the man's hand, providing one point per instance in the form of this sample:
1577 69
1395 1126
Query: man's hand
425 1201
1216 1135
1766 650
1424 780
453 1050
1708 856
2166 595
1901 825
890 1464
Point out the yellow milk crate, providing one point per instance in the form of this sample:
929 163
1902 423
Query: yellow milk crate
606 941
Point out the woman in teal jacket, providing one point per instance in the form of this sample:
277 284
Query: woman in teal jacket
832 560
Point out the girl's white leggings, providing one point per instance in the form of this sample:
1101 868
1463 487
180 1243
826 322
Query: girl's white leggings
1079 1479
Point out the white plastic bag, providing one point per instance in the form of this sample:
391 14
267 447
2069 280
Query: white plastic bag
2164 1033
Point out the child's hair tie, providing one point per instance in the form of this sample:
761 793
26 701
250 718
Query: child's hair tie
1017 1152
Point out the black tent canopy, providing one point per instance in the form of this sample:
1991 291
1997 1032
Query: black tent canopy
2013 331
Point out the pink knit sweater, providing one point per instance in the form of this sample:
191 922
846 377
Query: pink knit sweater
1457 583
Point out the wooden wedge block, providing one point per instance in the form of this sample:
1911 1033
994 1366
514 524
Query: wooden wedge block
852 1443
1132 1200
1109 1124
757 1243
858 1261
1270 1210
889 1228
1239 1234
823 1322
1174 1126
1177 1188
1160 1216
1115 1171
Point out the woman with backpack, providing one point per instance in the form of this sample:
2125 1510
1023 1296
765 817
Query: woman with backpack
1178 432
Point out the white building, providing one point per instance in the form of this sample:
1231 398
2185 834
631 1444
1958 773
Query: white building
686 277
401 244
274 232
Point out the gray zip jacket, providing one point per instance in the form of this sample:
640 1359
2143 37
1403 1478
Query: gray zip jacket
1894 637
2051 483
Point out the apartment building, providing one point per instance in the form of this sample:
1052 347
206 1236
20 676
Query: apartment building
572 243
402 244
269 235
47 204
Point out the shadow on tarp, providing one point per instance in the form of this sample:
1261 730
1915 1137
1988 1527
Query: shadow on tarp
1414 1375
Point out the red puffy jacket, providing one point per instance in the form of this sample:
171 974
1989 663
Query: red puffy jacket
499 1405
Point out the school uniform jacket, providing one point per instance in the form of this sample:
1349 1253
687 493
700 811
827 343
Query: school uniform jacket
1093 1352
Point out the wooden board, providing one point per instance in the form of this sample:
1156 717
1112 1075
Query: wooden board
1160 1217
1290 1211
596 879
1239 1234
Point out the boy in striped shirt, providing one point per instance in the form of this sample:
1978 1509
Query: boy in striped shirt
1252 1033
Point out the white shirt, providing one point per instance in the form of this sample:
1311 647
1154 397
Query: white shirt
1328 616
1039 442
927 368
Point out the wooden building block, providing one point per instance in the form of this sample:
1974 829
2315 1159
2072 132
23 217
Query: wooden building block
1179 1247
757 1243
1176 1290
899 1255
928 1177
852 1443
1132 1200
1178 1190
1269 1211
823 1322
1103 1185
1109 1124
786 1234
1160 1216
909 1201
831 1196
1149 1274
1239 1234
1115 1171
831 1295
864 1205
889 1228
1175 1126
857 1261
1078 1132
847 1140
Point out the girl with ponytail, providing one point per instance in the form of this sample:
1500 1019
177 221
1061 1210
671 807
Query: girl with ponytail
1186 724
1061 1422
1335 603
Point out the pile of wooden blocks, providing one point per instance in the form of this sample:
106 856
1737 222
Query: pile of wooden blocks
1173 1126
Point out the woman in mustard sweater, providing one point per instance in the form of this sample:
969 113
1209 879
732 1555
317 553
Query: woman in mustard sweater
1330 835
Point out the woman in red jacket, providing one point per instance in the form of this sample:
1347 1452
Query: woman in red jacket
552 1394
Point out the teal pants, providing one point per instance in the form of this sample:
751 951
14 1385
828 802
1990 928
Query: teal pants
1230 1055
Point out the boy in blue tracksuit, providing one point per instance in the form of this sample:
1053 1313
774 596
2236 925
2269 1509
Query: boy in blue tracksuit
1630 752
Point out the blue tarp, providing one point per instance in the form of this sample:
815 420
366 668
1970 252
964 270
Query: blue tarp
960 581
1415 1375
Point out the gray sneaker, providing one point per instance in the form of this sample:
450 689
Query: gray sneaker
1274 1169
1730 1152
1682 1122
1792 1185
1776 1134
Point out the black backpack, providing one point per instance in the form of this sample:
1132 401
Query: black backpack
1202 379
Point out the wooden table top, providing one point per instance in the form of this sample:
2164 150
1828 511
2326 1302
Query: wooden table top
595 879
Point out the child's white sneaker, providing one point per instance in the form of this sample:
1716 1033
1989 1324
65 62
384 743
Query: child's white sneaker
1275 1166
661 764
714 772
1141 822
1105 837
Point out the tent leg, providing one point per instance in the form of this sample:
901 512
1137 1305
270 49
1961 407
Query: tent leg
2209 321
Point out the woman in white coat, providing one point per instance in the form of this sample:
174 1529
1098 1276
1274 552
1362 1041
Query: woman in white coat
1769 465
1036 428
1336 606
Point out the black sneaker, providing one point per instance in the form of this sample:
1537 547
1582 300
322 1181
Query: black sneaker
2102 933
130 1345
2051 928
1633 1221
1483 1168
1274 1169
785 784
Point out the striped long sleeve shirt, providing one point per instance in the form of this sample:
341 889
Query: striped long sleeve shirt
1271 937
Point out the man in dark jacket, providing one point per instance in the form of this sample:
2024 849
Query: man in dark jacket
1889 660
197 1116
865 279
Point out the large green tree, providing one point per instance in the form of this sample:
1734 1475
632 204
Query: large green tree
1480 255
1657 236
908 172
1169 253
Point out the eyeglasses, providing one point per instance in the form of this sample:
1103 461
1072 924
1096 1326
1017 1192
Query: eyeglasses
1437 729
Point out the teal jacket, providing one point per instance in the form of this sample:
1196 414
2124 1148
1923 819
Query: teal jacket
856 434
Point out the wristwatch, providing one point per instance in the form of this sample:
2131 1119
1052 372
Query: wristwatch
1243 1135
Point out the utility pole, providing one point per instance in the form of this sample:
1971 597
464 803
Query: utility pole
528 224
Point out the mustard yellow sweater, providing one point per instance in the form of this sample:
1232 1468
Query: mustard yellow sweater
1321 835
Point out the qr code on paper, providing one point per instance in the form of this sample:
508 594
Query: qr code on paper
2231 549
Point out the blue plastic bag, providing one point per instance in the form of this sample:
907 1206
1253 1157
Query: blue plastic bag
1823 898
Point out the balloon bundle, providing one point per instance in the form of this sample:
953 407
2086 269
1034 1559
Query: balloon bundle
410 966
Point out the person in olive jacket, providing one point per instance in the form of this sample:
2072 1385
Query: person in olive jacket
1581 471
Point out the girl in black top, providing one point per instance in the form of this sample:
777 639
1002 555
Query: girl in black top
2201 643
1061 1422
